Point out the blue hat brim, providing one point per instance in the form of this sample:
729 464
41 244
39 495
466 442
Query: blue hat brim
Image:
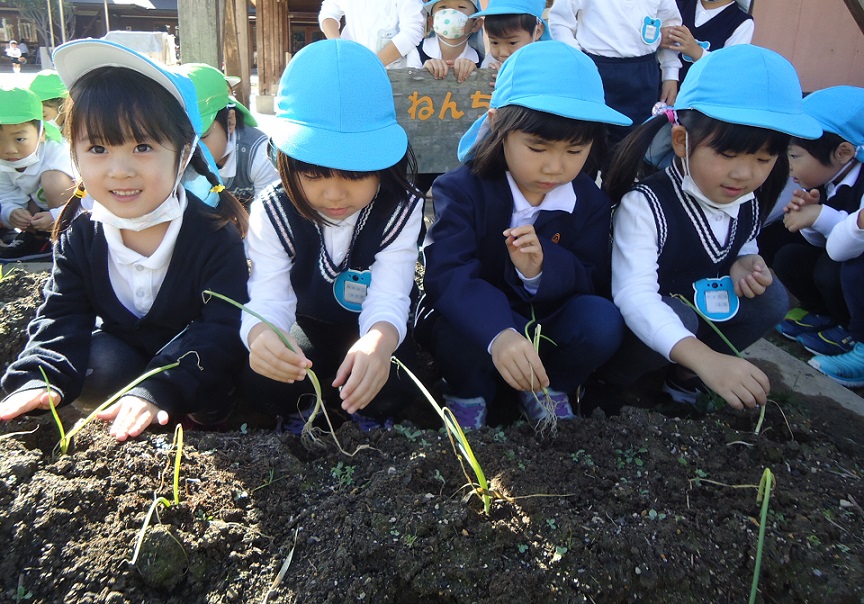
352 151
799 125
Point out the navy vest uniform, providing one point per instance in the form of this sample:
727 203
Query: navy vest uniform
314 273
241 185
715 31
688 249
846 198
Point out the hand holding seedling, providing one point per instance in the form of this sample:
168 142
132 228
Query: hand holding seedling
366 367
518 363
131 416
739 382
269 356
20 219
25 401
750 276
525 250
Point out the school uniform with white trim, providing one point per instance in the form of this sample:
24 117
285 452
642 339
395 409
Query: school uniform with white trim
295 281
151 309
473 291
664 240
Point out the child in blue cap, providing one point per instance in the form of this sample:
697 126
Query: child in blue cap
688 232
510 25
137 263
521 240
453 26
333 247
828 170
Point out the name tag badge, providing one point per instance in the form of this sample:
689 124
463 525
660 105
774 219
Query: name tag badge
716 299
350 289
650 30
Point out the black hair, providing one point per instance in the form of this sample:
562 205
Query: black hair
395 182
222 118
628 163
112 105
489 161
822 148
500 26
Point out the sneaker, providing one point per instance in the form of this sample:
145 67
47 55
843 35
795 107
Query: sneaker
828 342
469 412
796 323
531 404
846 369
367 424
687 390
26 246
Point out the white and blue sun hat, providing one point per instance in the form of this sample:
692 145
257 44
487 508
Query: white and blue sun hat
576 91
334 108
79 57
840 110
534 8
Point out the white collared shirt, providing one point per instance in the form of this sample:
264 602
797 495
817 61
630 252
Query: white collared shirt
829 217
135 278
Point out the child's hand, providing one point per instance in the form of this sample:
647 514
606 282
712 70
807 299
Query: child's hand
20 219
801 218
801 198
739 382
462 68
750 276
525 250
679 38
518 363
42 221
437 67
366 367
25 401
269 357
494 66
669 92
132 415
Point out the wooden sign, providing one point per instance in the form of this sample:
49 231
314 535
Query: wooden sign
436 113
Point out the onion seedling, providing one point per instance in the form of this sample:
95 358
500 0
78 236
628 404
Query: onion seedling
459 442
63 445
764 495
550 420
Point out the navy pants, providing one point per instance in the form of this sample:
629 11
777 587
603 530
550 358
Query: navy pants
814 278
586 330
852 279
755 317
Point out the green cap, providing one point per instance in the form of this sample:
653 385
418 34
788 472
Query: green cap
19 105
211 87
48 85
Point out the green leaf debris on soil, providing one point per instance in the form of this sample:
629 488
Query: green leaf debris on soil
644 522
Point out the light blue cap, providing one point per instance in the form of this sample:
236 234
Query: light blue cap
428 6
576 91
748 85
79 57
534 8
335 109
840 110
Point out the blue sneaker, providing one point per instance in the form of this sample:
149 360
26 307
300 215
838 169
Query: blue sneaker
846 369
796 324
828 342
686 391
535 411
469 412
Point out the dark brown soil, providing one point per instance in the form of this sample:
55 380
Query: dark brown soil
639 507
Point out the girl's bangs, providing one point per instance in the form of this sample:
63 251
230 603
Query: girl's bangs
313 171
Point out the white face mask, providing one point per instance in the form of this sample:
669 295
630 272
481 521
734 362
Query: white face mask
689 186
168 210
24 162
449 23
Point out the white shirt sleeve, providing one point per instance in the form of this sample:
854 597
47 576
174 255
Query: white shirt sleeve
11 198
635 285
270 292
846 240
563 21
330 9
412 25
388 298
